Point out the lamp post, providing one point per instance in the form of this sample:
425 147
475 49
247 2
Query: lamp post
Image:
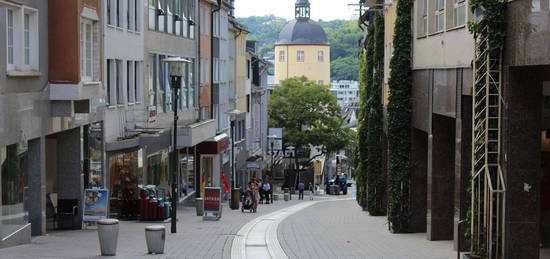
234 197
176 73
272 147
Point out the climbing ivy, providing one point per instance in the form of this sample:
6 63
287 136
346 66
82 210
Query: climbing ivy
360 171
399 121
376 182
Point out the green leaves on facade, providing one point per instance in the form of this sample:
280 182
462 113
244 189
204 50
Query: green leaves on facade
399 121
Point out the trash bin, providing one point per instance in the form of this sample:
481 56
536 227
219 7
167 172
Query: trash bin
235 199
287 196
107 230
155 237
199 205
275 197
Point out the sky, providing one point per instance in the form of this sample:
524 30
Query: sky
320 9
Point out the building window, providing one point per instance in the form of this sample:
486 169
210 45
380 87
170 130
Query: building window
138 70
130 82
11 29
14 178
248 65
109 7
423 17
321 56
169 17
321 82
152 14
119 15
300 57
130 15
459 11
86 50
247 103
440 15
108 100
137 15
21 39
119 84
161 5
281 56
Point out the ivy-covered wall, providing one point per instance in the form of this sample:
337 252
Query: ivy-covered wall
376 179
399 121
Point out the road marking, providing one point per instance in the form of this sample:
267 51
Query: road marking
258 238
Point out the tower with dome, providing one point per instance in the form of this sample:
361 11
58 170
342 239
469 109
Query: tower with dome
303 48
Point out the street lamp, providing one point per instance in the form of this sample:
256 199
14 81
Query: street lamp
272 139
177 65
234 197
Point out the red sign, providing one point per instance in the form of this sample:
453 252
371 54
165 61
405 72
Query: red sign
212 199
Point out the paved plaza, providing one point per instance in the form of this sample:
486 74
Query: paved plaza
328 227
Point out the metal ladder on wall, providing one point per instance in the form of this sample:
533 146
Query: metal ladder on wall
488 188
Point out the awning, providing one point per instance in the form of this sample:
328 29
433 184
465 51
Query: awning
215 145
191 135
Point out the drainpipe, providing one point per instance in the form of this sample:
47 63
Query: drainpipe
214 10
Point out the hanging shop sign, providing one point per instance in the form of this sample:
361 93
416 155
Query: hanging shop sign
212 203
95 204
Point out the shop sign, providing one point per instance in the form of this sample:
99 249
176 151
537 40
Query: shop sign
152 113
212 203
95 204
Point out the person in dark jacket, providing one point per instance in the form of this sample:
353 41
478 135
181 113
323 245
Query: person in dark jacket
301 187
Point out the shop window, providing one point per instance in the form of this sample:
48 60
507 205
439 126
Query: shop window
187 173
94 155
126 172
157 172
13 170
207 172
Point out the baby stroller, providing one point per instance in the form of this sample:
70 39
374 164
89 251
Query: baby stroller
248 202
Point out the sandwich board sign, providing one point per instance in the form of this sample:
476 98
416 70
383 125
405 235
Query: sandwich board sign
95 204
212 203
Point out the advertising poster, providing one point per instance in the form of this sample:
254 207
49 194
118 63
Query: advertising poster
95 204
212 199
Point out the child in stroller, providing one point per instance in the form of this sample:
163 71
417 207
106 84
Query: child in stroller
248 202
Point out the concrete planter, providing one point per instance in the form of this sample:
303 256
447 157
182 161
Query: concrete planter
107 230
155 236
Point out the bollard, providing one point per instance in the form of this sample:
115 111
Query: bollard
155 237
275 197
107 230
235 199
199 205
287 196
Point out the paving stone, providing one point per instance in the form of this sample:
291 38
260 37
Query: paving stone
340 229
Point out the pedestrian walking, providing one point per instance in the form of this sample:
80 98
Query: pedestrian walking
255 194
267 189
261 190
301 187
310 191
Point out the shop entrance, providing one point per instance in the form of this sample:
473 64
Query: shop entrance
125 171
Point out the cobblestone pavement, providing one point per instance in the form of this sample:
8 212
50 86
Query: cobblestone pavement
340 229
195 238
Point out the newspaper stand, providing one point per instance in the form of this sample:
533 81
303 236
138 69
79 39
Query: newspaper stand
212 203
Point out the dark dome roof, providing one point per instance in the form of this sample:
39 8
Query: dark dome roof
302 32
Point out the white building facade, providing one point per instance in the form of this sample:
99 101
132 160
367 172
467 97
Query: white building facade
346 91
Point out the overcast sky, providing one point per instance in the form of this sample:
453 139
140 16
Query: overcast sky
320 9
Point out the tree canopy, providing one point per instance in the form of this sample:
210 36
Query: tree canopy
309 115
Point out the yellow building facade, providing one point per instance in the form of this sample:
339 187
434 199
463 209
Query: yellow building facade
314 63
302 49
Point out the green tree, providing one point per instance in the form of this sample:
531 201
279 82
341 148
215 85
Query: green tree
309 115
344 68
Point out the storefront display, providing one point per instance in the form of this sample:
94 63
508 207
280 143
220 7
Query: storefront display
125 171
13 171
186 172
